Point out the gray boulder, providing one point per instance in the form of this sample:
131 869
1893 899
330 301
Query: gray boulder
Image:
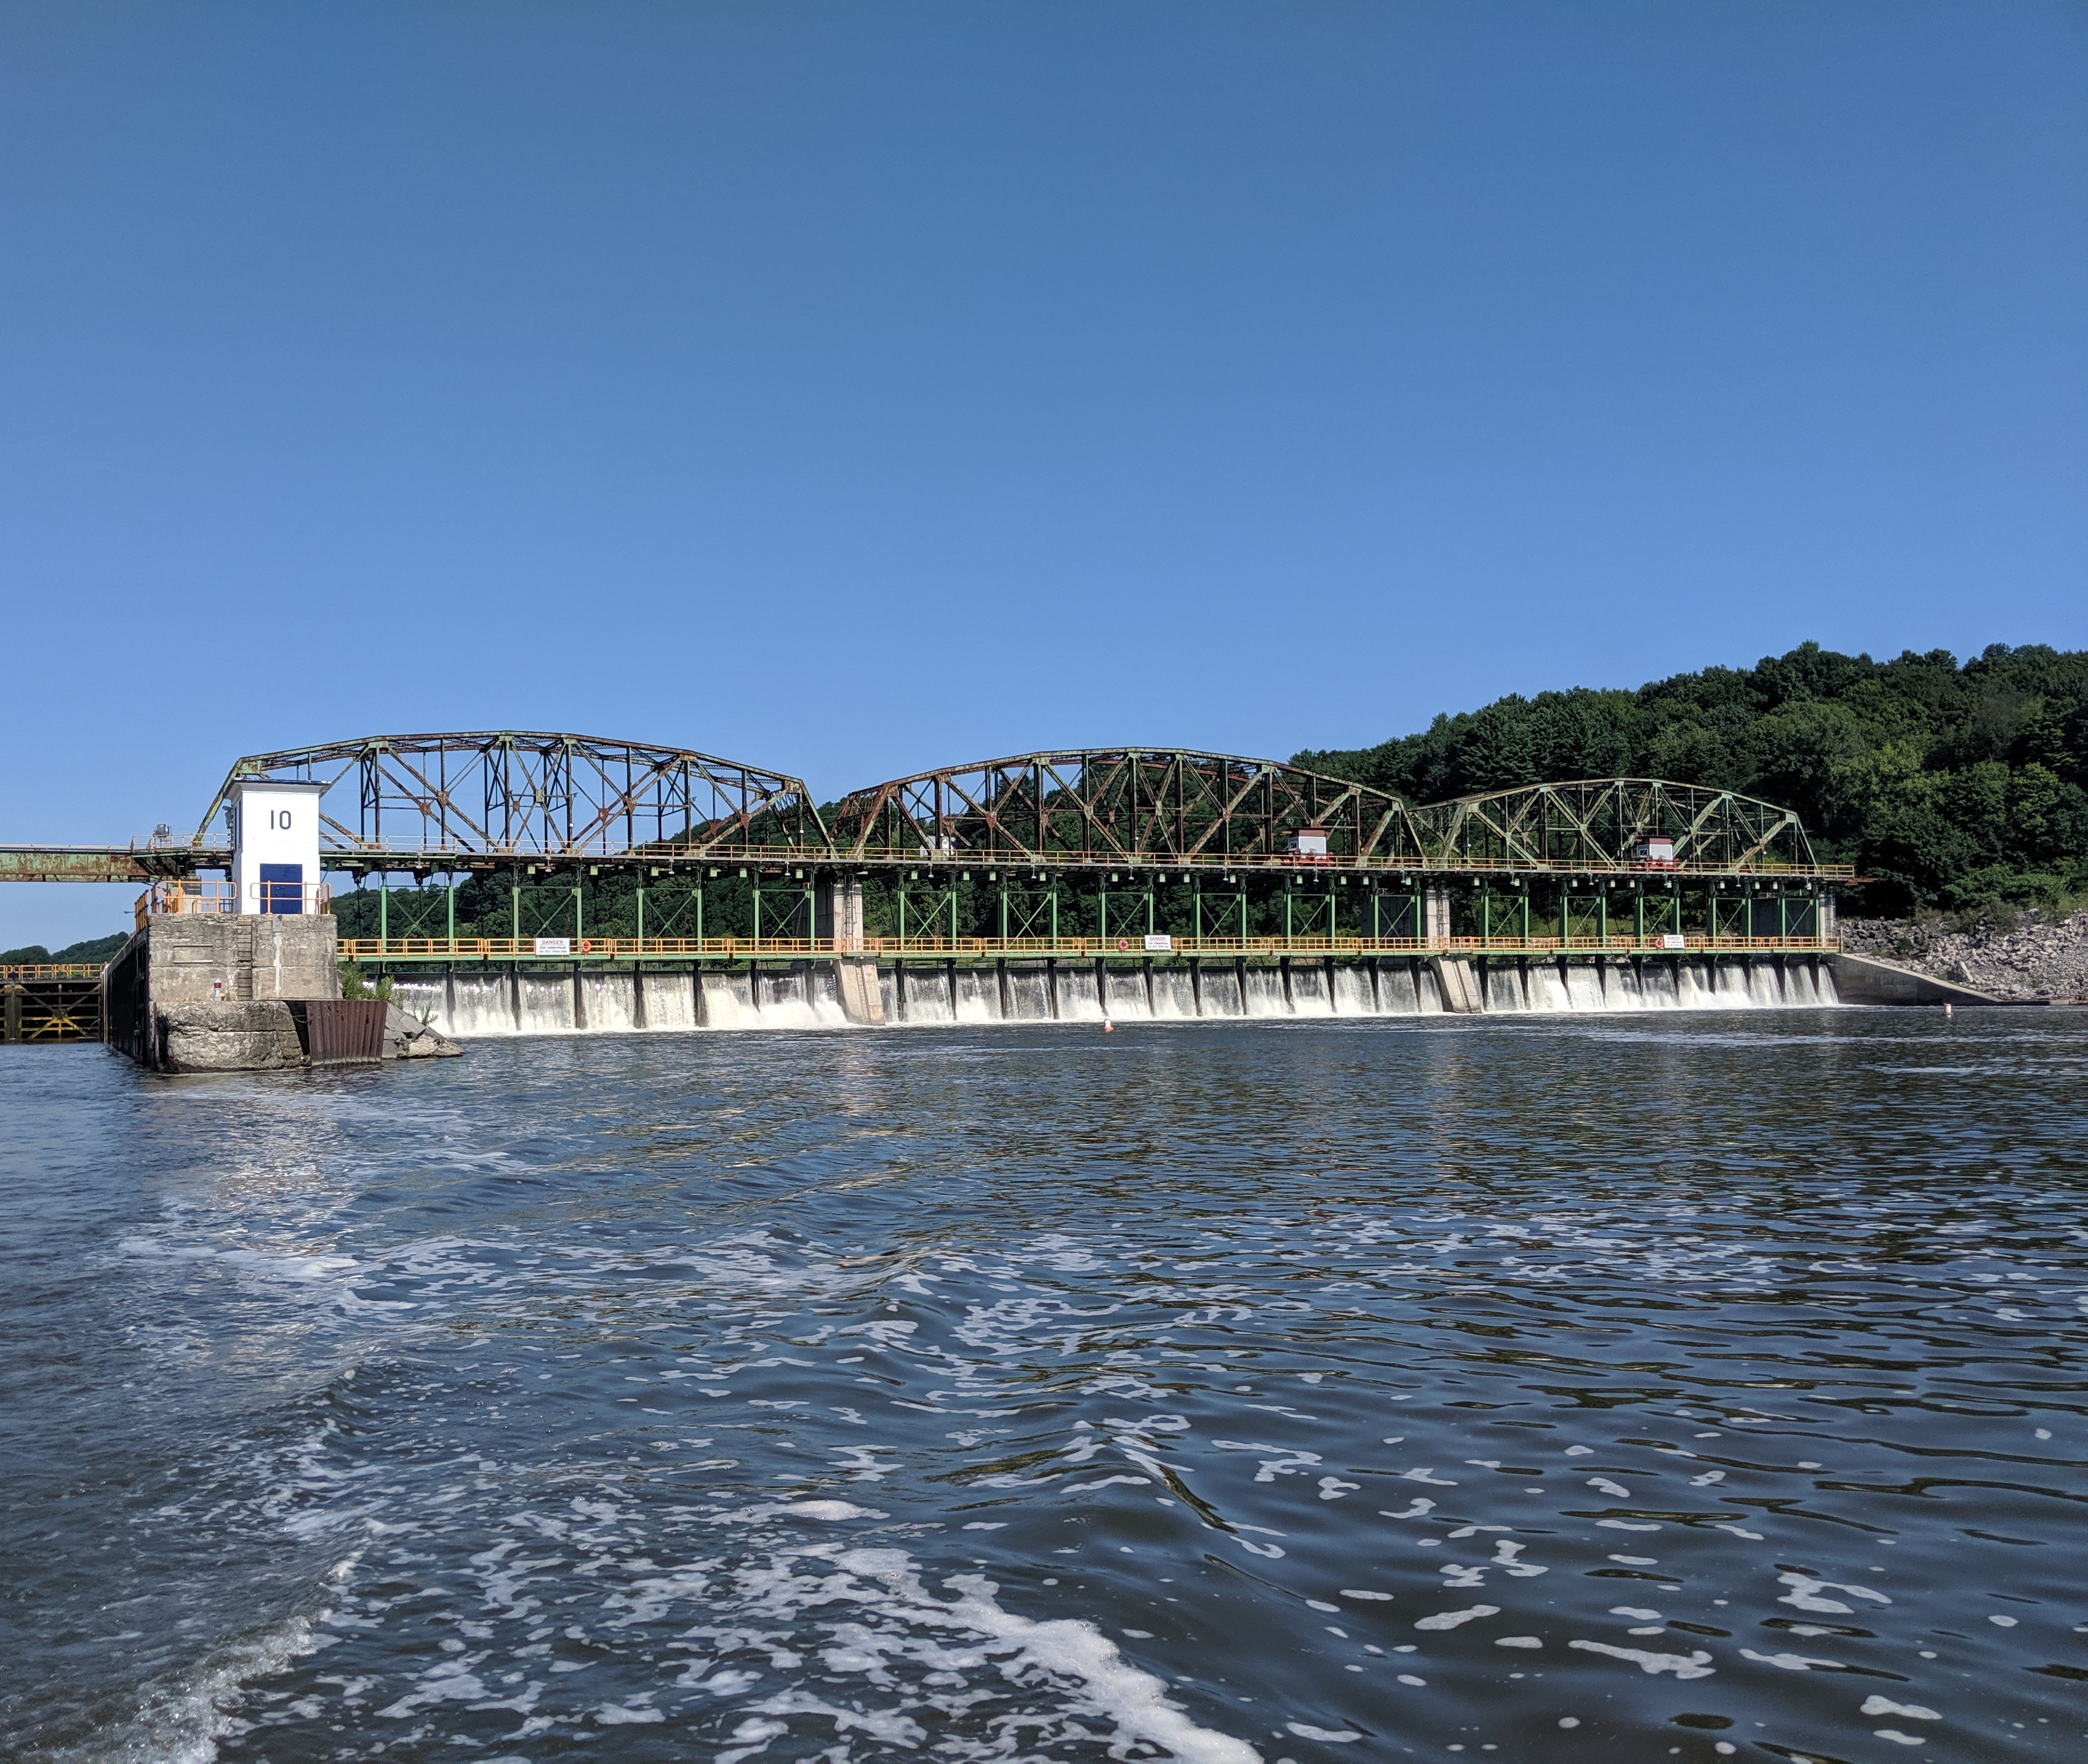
406 1037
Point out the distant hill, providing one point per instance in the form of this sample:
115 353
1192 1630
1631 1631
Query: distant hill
1959 787
93 949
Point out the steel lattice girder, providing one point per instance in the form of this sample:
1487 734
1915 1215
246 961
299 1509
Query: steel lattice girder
512 793
1595 823
1094 806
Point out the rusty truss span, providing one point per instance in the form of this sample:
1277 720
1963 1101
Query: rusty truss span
507 848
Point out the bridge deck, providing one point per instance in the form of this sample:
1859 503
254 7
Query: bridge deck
608 949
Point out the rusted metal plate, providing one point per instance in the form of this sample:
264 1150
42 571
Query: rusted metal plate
105 863
340 1032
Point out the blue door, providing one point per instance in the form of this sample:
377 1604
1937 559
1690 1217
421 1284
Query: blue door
282 887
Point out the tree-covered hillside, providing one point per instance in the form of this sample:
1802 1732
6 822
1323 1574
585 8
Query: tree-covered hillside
1963 787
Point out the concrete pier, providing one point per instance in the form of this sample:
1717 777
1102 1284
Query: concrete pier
212 992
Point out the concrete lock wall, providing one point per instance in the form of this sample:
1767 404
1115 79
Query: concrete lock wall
211 992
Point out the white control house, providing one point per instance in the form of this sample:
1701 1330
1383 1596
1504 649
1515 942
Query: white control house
274 845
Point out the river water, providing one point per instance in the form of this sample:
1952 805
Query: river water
1550 1388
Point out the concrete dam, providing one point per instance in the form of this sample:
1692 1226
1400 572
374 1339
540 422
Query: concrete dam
809 994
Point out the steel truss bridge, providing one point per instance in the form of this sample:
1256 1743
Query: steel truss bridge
1120 822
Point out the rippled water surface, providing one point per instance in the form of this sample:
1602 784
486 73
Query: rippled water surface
1332 1390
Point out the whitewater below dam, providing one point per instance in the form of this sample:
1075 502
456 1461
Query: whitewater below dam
805 995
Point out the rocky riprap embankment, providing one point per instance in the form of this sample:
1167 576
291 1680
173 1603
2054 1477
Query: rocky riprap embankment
2035 958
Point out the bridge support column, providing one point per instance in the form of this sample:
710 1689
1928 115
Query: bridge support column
838 910
1435 914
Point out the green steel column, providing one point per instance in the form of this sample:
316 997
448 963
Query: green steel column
515 906
641 915
1290 894
452 905
1198 898
1602 914
1004 915
1565 911
699 915
1523 894
902 913
757 909
1054 915
1103 918
384 910
1486 914
580 929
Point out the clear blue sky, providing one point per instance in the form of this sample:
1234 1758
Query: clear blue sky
851 388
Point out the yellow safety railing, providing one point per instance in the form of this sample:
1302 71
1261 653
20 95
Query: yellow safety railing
176 898
611 949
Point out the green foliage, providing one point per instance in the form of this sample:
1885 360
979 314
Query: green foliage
1958 787
353 985
91 950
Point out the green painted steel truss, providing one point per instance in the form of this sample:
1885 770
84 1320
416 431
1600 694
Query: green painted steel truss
1093 806
454 799
450 804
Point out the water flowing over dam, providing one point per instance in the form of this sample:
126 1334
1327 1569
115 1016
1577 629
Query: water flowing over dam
806 995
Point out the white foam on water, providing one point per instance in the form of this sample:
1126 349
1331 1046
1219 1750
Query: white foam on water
1353 997
1398 995
1308 990
181 1720
1220 992
1029 996
878 1614
806 996
978 995
670 1002
1127 1001
1505 987
547 1004
1078 1001
927 997
1547 991
610 1001
1264 993
1694 1664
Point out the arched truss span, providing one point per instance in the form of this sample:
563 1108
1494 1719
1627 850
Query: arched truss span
510 793
1597 823
1092 806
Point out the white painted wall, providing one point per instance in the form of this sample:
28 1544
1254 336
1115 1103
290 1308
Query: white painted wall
273 823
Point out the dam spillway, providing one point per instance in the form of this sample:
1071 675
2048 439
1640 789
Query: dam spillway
806 995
